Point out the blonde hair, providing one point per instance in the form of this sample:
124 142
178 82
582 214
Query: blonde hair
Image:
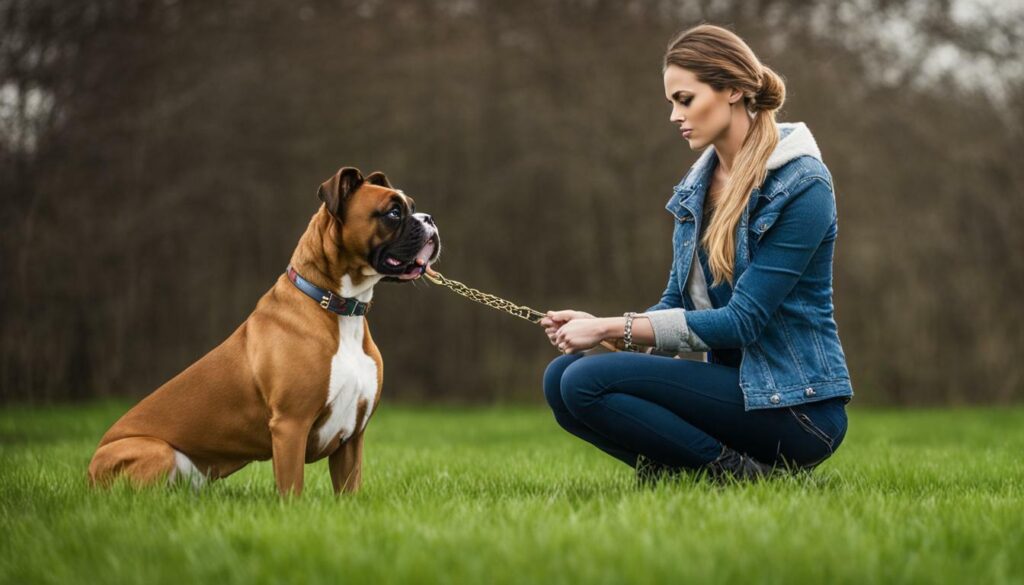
720 58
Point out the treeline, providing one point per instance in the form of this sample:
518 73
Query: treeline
158 161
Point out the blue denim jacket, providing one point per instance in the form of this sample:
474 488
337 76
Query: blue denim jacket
780 313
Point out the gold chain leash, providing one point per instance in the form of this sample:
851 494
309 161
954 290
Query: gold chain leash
493 301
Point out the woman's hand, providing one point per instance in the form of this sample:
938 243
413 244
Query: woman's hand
573 331
581 334
556 319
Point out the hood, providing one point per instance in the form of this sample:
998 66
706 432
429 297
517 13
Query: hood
795 140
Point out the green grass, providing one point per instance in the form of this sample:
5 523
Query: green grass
504 496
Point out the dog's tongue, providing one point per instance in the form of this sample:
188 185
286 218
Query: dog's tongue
421 263
424 256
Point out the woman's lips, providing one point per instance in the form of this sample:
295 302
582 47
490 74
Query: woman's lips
686 133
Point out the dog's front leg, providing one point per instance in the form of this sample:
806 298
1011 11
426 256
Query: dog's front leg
289 444
346 464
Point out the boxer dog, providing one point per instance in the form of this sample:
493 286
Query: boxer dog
300 378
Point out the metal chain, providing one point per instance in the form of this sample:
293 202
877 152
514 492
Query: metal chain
495 302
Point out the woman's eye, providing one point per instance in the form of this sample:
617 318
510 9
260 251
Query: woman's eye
686 102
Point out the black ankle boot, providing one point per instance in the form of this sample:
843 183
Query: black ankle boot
733 465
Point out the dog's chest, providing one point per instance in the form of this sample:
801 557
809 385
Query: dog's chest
353 381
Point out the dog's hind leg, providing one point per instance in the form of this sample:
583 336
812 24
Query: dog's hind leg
143 460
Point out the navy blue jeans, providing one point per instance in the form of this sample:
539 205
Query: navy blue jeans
680 412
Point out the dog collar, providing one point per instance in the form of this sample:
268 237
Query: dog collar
345 306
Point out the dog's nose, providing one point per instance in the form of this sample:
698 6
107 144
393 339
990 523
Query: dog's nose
428 219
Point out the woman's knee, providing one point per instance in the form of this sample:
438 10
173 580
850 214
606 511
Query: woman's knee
553 380
579 387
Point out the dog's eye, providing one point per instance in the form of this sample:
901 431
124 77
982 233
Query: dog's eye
395 213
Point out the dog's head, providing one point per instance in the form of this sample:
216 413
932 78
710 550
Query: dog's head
379 225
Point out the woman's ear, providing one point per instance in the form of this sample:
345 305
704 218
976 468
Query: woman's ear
735 96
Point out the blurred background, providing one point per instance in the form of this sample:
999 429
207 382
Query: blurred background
159 161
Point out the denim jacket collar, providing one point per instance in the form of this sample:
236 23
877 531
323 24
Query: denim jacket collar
795 140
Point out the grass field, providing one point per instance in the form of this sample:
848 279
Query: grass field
504 496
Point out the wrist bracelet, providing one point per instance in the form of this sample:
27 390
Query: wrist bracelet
627 337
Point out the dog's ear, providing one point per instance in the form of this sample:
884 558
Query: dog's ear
334 192
378 178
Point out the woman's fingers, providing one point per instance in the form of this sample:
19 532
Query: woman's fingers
554 327
552 331
551 326
563 315
561 339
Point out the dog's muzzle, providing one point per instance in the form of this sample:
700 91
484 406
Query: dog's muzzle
408 257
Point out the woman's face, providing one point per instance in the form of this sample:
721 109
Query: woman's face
701 113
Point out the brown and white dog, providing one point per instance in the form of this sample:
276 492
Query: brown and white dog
300 378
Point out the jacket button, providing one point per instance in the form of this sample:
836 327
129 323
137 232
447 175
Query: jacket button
775 399
809 392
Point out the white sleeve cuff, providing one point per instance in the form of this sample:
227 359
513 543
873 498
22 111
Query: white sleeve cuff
671 332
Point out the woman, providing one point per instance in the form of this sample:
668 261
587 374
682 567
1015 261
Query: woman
759 202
